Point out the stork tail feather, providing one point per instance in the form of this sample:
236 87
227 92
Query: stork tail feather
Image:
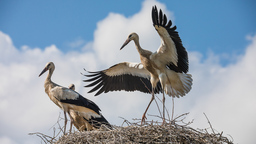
180 85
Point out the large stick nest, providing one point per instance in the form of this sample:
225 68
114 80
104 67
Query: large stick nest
172 131
150 132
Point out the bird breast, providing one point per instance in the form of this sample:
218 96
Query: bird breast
149 65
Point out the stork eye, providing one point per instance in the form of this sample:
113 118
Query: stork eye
130 36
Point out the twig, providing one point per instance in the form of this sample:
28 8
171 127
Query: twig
45 138
156 116
209 123
50 139
125 121
220 135
180 116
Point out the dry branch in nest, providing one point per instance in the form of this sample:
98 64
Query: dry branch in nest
56 133
173 131
151 132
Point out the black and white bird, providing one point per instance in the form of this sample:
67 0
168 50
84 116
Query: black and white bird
162 71
69 100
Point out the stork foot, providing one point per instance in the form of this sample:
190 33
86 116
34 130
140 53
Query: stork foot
143 118
163 121
70 130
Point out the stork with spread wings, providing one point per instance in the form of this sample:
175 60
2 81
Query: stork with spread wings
163 71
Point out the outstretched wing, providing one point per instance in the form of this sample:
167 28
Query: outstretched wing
171 51
123 76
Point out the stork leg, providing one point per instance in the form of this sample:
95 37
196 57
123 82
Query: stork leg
163 79
144 115
65 123
163 108
71 122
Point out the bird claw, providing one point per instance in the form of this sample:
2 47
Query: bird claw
163 122
143 119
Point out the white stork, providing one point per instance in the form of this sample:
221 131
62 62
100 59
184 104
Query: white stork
162 71
69 100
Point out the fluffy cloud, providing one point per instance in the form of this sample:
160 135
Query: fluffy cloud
227 95
224 93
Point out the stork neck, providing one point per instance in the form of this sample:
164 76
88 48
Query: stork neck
48 78
49 75
48 84
138 47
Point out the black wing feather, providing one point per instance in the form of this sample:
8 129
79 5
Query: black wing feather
96 87
165 20
160 17
95 79
154 16
91 75
92 79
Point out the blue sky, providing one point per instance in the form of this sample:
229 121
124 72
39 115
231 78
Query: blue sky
219 26
220 37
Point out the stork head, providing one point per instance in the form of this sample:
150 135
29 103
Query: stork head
131 36
71 86
49 66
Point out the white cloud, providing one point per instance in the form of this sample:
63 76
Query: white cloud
7 49
224 93
230 99
6 140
